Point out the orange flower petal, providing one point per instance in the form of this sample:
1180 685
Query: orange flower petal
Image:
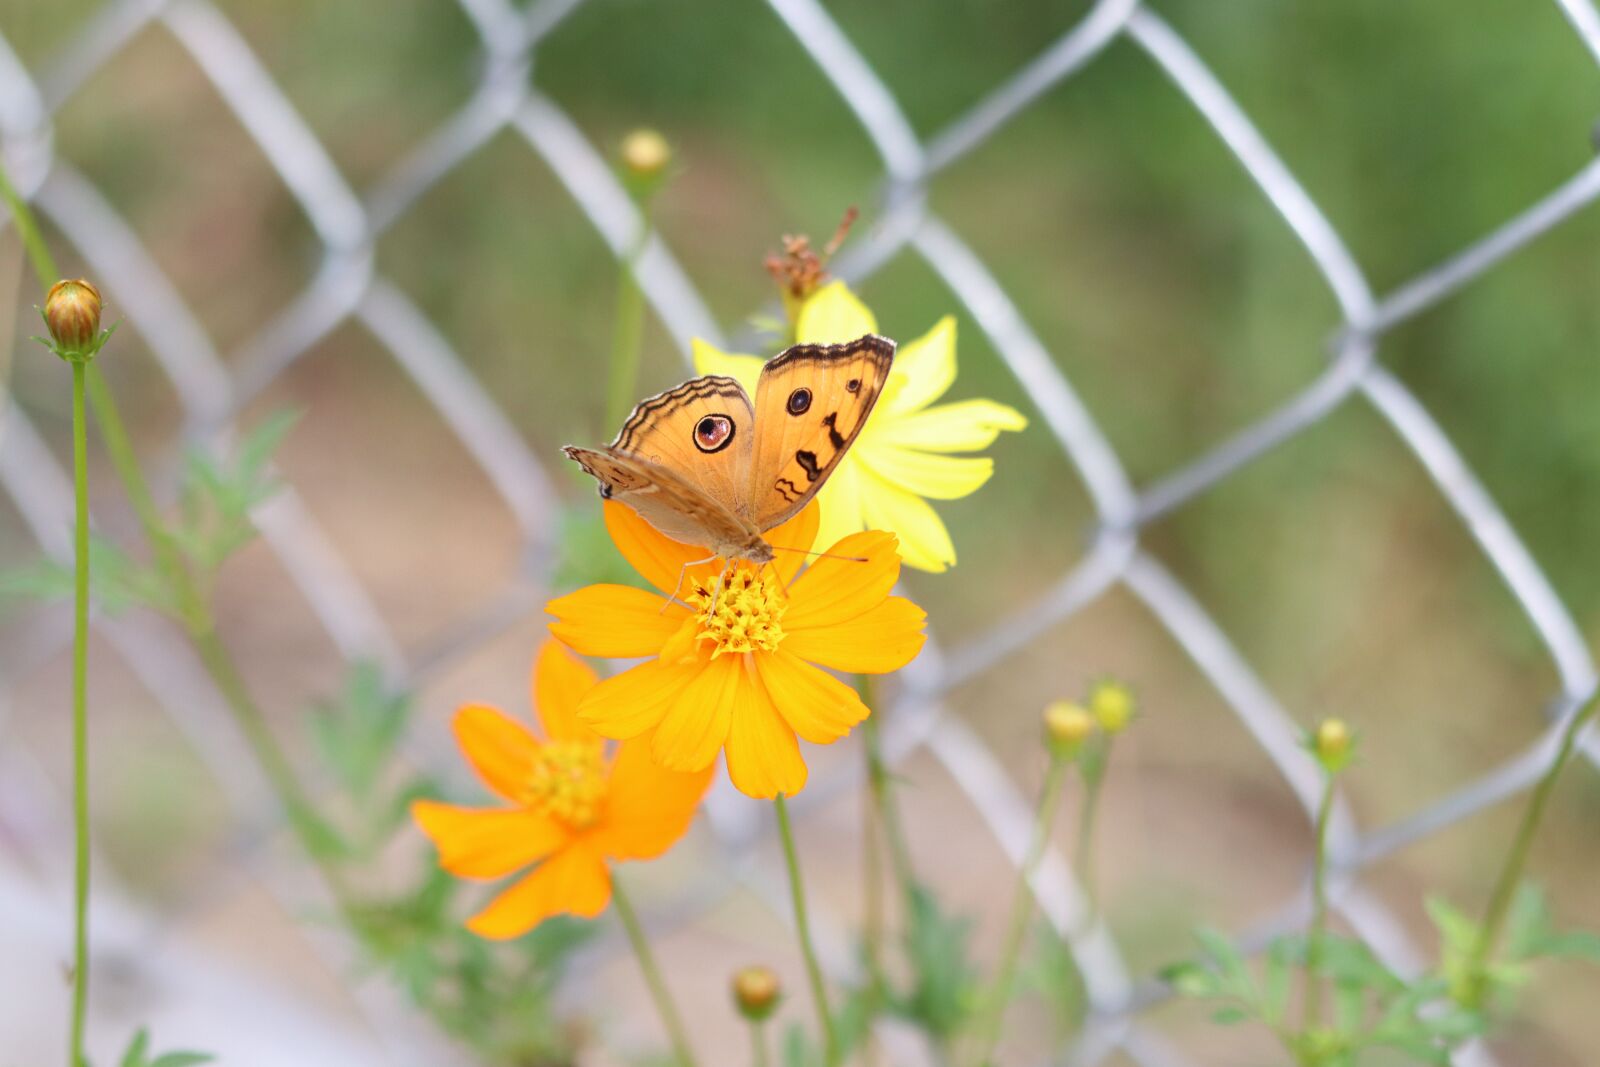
634 701
499 747
818 706
763 756
487 842
878 641
648 808
574 880
559 681
614 621
696 723
658 558
793 539
835 590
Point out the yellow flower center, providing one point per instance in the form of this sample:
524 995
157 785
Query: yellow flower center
567 781
743 615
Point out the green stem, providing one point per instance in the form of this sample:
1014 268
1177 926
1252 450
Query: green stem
802 925
44 264
80 717
627 337
652 975
1083 850
874 921
1319 911
758 1042
988 1030
881 785
1494 919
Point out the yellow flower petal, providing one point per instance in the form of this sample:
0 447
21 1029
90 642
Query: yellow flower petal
763 755
964 426
927 366
708 359
818 706
499 747
658 558
834 590
925 474
924 541
634 701
574 881
878 641
840 502
559 681
648 808
487 842
832 316
696 724
614 621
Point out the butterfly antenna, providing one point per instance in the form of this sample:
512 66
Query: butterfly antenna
820 555
682 571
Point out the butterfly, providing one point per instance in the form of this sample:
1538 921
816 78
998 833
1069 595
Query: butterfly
705 466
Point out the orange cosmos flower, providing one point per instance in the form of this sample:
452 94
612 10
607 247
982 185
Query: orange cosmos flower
740 678
568 807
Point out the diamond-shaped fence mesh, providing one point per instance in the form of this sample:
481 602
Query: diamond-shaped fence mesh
348 289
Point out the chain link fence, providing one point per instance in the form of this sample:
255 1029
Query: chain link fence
348 288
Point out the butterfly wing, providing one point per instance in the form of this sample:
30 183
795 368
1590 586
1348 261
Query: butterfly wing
811 403
664 500
680 461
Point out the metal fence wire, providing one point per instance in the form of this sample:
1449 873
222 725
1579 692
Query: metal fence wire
347 287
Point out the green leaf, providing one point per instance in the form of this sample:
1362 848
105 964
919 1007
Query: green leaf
356 734
945 983
134 1056
1458 932
1192 980
1052 973
1236 977
798 1051
1230 1016
217 495
181 1059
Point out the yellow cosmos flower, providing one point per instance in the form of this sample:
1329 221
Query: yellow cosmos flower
733 668
567 807
904 455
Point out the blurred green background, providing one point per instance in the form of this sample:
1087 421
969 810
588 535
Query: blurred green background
1158 276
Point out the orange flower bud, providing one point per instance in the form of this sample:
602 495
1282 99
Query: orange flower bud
72 312
756 992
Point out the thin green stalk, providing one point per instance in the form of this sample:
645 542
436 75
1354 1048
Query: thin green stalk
80 717
1494 918
652 975
1083 850
627 335
44 264
758 1042
881 785
873 922
1319 911
802 925
988 1032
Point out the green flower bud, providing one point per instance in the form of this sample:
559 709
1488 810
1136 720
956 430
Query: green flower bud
1067 726
1333 744
72 312
646 154
1112 705
756 992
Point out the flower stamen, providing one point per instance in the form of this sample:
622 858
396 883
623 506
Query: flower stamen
741 611
567 782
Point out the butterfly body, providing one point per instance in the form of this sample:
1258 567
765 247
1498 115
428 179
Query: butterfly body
705 465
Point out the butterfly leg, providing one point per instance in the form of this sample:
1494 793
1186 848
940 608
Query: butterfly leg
682 571
716 593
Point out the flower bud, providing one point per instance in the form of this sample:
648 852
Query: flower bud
72 312
1332 744
756 992
1067 726
1112 705
645 154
